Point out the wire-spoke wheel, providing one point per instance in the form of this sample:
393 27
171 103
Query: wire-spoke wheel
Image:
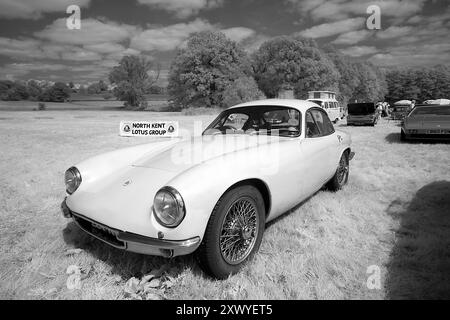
234 232
239 231
340 178
342 172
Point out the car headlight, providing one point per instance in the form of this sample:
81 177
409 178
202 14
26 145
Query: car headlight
72 179
168 207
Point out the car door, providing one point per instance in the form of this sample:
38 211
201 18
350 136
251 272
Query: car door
318 149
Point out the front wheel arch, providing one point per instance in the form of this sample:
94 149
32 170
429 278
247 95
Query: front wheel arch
258 184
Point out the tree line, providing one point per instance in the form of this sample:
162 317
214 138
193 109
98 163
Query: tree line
32 90
214 71
419 84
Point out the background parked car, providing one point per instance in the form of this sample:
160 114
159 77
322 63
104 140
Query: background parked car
365 113
400 109
327 101
427 122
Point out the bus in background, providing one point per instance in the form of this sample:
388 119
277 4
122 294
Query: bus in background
327 100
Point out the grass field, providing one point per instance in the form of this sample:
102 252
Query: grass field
394 214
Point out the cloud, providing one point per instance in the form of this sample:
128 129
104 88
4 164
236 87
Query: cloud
13 71
33 9
168 38
343 9
20 48
105 47
394 32
253 43
238 34
183 8
415 19
413 55
174 36
79 54
333 28
127 52
352 37
358 51
93 31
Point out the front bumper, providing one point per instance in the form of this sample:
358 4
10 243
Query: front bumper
422 134
131 241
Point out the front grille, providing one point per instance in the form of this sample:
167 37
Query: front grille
100 231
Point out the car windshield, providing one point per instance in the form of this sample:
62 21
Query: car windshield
263 120
361 108
432 110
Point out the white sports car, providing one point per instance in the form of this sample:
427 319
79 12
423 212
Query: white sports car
211 194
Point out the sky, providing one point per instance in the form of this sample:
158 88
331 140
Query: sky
35 42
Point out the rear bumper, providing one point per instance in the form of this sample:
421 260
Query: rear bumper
130 241
360 121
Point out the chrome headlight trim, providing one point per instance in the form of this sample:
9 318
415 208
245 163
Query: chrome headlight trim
180 207
76 175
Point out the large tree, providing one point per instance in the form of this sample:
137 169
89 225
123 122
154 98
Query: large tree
34 89
59 92
132 77
241 90
294 62
204 69
349 79
372 85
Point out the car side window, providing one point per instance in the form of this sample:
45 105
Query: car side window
323 122
312 130
236 120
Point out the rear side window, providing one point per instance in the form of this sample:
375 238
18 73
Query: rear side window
323 122
312 130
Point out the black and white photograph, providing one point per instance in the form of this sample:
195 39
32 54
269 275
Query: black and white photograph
244 152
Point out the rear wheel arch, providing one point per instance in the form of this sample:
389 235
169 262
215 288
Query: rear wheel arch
347 151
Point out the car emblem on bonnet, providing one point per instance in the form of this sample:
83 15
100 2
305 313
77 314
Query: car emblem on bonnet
126 183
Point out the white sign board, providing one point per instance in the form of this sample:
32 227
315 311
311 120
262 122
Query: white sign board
149 128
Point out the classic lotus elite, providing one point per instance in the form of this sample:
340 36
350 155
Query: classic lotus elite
211 194
427 122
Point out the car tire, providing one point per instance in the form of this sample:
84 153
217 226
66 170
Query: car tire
217 255
340 177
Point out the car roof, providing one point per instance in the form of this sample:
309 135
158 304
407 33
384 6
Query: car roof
301 105
323 99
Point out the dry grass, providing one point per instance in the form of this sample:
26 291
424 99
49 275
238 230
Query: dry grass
393 213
